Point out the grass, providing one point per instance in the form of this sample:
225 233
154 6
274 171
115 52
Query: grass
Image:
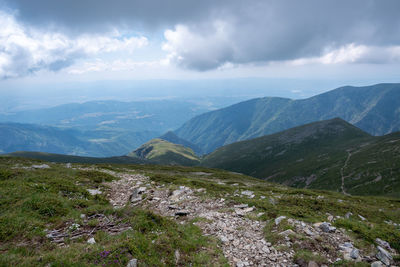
32 200
38 199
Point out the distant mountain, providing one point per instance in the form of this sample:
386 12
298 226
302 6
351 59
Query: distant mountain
156 115
31 137
164 152
173 138
375 109
97 128
318 155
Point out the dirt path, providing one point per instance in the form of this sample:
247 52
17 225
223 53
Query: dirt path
342 172
242 239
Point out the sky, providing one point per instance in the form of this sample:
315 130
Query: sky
45 43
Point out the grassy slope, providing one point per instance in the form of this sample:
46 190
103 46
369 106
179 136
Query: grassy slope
74 159
164 152
33 200
374 109
316 160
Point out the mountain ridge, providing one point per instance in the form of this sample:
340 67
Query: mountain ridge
372 108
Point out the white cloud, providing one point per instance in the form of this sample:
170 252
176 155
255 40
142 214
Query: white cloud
24 50
354 54
190 50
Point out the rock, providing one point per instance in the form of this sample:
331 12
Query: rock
94 192
287 232
362 218
330 218
173 207
376 264
355 254
41 166
279 219
83 216
309 232
136 194
348 215
248 210
177 257
132 263
383 243
224 239
327 227
91 241
347 246
241 206
312 264
384 256
182 213
247 193
262 197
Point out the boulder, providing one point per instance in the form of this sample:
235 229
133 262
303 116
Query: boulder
327 227
384 256
383 243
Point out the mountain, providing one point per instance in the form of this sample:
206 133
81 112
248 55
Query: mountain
331 154
173 138
164 152
374 109
96 128
31 137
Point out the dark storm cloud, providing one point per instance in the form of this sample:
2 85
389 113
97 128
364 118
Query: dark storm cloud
98 15
207 34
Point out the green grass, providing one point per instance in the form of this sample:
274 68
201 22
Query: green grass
164 152
32 200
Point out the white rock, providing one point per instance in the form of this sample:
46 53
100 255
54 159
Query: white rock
94 192
247 193
91 241
132 263
279 219
41 166
361 217
384 256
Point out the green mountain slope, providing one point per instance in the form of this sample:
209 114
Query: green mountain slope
164 152
375 109
173 138
315 156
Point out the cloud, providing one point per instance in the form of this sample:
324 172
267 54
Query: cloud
269 31
206 35
25 50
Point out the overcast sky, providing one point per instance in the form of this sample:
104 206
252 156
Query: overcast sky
89 40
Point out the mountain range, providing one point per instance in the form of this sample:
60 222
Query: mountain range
374 109
331 155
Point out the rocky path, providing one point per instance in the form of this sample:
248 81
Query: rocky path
342 172
237 227
242 239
